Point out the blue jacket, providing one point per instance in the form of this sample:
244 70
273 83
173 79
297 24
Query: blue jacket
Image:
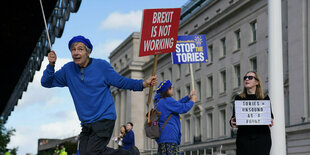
129 140
90 87
167 106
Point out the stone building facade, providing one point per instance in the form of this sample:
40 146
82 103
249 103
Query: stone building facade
237 41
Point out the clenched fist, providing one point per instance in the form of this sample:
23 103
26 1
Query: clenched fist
151 81
193 96
52 57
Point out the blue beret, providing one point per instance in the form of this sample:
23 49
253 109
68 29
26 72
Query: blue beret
163 86
81 39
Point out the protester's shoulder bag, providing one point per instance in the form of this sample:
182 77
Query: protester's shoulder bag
151 126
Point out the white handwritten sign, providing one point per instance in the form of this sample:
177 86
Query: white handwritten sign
253 112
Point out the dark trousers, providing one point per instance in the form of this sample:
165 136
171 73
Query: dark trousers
95 137
253 144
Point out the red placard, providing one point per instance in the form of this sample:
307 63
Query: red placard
159 31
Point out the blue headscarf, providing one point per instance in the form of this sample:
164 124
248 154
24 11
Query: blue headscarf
81 39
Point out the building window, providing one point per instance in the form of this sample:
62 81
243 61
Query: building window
121 62
197 126
188 89
210 52
170 73
253 62
187 130
222 122
223 81
210 86
198 91
209 125
162 75
115 67
223 47
253 30
178 94
187 69
238 40
126 57
197 66
179 71
237 80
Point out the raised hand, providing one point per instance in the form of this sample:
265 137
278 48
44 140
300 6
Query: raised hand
193 96
52 57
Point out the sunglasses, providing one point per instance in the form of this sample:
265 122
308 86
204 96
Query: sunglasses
249 77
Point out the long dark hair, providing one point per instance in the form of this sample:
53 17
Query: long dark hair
165 93
124 126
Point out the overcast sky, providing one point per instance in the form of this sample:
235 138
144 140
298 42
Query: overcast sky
50 113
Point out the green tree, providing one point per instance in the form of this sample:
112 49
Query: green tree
5 136
14 151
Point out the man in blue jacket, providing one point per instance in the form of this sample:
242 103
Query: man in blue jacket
129 139
89 81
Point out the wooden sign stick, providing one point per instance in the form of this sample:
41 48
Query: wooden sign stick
153 74
192 76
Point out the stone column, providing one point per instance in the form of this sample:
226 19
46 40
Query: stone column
138 117
116 96
122 107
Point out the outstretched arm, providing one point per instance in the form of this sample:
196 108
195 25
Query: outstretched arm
192 96
115 79
179 107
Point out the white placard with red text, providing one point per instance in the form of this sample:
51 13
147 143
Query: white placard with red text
159 31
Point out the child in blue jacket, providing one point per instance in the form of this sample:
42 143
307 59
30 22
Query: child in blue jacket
170 136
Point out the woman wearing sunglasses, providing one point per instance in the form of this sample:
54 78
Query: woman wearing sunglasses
252 139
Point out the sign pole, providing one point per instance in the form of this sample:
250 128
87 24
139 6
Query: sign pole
46 29
153 74
192 76
158 26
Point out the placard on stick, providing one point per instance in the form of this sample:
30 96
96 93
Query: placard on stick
159 34
159 31
190 49
253 112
